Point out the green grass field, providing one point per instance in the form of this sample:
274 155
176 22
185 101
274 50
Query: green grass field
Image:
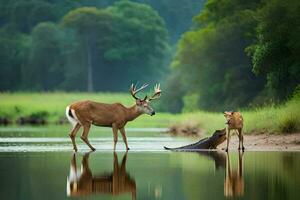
272 119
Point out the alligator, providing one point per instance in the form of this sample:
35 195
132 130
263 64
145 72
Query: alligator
218 137
219 157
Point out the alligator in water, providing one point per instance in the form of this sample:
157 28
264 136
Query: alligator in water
211 142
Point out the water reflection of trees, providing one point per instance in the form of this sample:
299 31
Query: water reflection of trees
83 182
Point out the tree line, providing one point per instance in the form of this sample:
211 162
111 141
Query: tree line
88 45
237 54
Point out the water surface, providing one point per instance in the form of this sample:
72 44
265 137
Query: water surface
46 168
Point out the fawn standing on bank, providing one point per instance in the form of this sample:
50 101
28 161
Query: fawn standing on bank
86 113
234 121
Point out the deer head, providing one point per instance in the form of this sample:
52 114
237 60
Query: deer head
144 104
234 119
228 116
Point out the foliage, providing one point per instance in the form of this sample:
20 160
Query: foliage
44 69
215 57
276 52
236 54
177 14
44 42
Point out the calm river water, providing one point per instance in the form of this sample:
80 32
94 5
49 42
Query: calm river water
45 168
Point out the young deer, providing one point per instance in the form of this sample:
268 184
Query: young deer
234 121
86 113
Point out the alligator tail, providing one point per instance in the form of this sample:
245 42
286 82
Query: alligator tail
187 147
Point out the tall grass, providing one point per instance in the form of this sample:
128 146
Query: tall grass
13 105
271 119
52 105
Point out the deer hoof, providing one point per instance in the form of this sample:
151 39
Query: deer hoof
128 148
75 149
243 148
226 149
93 149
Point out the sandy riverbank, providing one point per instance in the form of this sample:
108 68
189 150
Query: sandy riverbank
266 142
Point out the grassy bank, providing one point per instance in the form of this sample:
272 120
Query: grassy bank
271 119
51 106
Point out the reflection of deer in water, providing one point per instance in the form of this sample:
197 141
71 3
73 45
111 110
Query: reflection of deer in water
84 183
234 181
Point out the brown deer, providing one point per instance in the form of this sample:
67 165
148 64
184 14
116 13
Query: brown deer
234 181
86 113
234 121
84 183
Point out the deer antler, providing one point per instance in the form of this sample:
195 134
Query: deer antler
134 91
157 92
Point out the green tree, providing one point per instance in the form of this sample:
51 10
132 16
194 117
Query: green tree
177 14
12 57
123 43
276 52
94 29
211 56
139 49
25 14
44 69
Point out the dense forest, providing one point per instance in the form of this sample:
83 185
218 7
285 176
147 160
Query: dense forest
88 45
210 55
238 54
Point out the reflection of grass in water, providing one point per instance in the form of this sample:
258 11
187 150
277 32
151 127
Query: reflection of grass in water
284 118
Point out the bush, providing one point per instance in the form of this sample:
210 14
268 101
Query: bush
289 125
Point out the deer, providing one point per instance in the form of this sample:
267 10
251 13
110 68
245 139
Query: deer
116 115
85 183
234 180
234 121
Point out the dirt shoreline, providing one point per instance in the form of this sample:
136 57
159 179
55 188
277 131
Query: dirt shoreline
266 142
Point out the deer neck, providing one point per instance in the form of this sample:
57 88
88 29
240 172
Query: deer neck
132 113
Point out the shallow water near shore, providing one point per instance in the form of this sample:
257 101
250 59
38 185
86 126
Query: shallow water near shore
44 167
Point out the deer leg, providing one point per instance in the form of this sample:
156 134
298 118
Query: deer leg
227 137
115 132
73 135
122 130
242 139
84 136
